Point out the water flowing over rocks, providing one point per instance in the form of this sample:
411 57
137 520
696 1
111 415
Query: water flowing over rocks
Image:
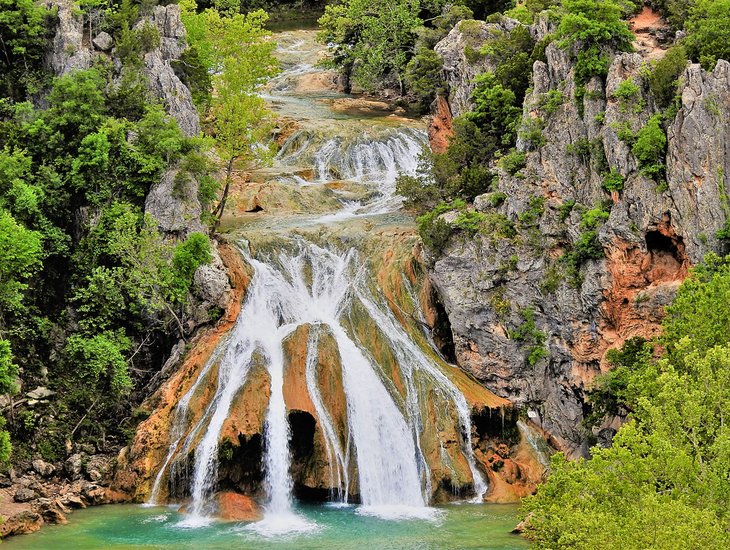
650 240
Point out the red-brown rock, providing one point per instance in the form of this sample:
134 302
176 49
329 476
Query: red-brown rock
237 507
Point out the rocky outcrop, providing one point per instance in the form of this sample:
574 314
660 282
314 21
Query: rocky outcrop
163 81
68 51
463 61
174 203
491 286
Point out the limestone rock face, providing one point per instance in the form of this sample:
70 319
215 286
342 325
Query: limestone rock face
653 235
173 202
463 62
67 52
163 81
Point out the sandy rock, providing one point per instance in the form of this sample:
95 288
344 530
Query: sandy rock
237 507
21 524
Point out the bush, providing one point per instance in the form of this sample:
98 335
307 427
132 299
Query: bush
613 181
424 78
664 77
708 32
650 147
513 162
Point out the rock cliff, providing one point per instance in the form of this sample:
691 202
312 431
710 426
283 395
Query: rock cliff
491 286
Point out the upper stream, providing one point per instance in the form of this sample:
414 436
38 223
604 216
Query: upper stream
328 387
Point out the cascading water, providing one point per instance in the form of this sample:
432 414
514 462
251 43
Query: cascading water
325 284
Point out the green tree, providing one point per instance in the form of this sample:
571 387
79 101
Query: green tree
373 40
237 50
708 31
22 41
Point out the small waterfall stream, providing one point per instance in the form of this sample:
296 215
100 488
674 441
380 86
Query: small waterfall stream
325 285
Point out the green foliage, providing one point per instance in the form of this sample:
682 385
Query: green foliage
23 30
663 482
21 252
8 372
708 31
534 338
593 25
373 40
535 209
513 53
613 181
495 111
187 257
513 162
424 78
650 148
551 101
629 95
665 74
99 361
531 132
565 209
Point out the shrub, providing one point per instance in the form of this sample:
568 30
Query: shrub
650 147
613 181
665 75
551 101
708 31
513 162
424 78
529 333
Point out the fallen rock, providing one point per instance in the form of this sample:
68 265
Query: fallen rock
21 524
40 393
103 42
43 468
25 495
73 501
73 465
237 507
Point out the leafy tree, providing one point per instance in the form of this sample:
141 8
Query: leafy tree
21 252
593 25
650 148
664 77
664 481
373 40
708 31
237 51
23 28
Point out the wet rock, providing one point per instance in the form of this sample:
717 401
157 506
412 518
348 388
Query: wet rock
43 468
93 494
237 507
21 524
24 495
51 511
103 41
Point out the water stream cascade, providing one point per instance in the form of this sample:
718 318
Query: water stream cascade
327 387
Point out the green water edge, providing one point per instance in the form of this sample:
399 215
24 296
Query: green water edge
127 526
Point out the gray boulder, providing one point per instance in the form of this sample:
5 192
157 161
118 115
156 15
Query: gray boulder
103 41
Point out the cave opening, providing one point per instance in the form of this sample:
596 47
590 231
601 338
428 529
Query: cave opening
240 466
302 425
493 424
657 242
441 332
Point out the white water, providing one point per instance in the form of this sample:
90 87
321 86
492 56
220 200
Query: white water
315 286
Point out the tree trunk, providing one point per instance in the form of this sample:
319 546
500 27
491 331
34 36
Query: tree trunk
218 212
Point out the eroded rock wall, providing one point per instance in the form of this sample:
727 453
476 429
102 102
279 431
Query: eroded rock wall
653 234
